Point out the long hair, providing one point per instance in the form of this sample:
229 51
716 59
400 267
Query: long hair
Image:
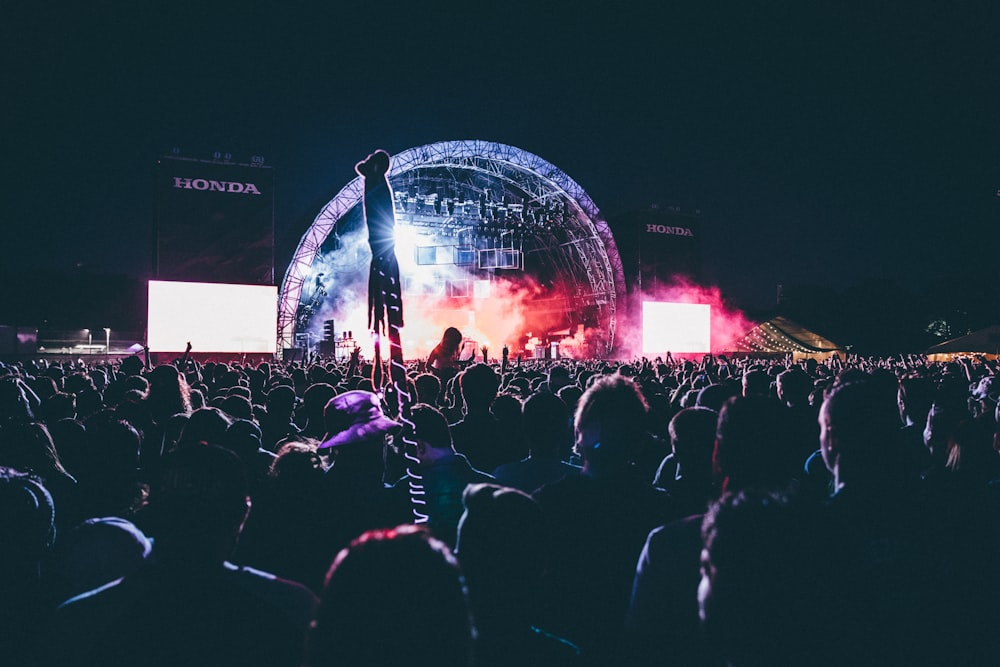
450 341
29 447
168 393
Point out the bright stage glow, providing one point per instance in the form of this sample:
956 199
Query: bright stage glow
408 243
213 317
676 327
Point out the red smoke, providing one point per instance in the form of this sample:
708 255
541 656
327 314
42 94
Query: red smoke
502 313
519 312
493 320
728 324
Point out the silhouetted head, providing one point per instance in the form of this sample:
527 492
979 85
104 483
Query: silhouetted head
237 407
205 426
431 433
479 384
914 396
393 597
692 436
753 448
29 447
280 400
610 424
199 503
27 523
501 542
860 434
761 596
546 424
794 387
451 338
756 383
714 395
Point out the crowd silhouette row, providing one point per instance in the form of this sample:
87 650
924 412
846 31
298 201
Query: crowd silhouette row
653 512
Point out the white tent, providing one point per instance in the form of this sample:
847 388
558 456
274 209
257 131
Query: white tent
783 336
985 341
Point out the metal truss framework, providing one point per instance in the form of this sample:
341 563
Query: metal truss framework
580 247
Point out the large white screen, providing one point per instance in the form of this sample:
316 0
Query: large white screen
214 317
676 327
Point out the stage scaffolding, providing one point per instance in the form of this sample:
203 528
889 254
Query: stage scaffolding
487 197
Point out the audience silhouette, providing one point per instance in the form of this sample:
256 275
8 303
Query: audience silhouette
742 511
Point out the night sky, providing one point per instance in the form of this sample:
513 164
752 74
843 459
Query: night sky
826 145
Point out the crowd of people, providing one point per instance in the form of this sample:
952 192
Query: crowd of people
648 512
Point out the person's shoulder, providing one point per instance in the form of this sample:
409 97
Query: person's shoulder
510 469
295 600
504 470
677 529
101 596
460 461
570 485
76 624
483 476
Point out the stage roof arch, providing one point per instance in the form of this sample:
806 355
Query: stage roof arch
563 227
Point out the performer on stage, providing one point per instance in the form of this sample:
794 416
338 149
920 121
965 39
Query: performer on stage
443 359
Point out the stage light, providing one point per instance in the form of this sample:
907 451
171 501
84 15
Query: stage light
407 241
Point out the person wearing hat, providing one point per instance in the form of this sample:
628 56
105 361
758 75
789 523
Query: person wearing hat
355 417
356 497
349 496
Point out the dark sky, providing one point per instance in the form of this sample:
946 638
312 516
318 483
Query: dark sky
821 145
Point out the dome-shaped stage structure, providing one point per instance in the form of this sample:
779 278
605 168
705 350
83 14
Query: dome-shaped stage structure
490 238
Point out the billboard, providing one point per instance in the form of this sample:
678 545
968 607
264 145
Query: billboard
680 328
658 247
214 222
669 248
213 317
